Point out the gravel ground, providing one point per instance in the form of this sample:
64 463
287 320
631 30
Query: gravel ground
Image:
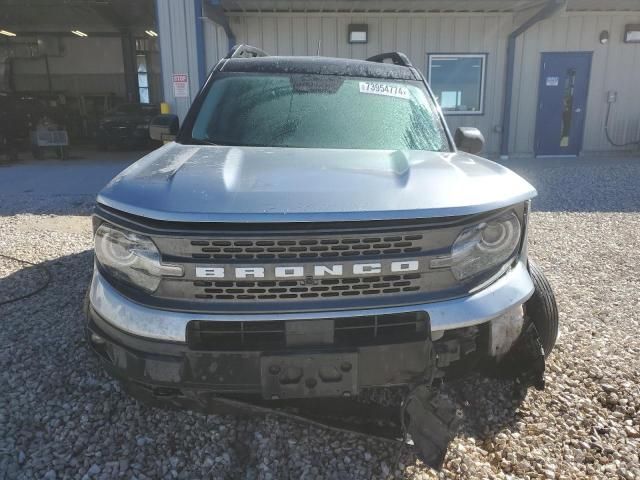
62 417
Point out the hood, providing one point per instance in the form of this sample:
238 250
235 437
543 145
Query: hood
255 184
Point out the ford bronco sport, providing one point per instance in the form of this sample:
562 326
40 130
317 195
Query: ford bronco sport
314 230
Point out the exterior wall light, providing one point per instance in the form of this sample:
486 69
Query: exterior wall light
604 37
7 33
151 33
632 34
79 33
358 33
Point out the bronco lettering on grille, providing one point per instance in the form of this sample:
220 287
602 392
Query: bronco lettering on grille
309 270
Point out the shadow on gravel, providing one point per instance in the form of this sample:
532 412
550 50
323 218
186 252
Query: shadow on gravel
62 413
582 184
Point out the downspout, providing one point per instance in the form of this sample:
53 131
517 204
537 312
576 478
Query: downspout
200 53
213 11
547 11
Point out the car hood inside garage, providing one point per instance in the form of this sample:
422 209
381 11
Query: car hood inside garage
195 183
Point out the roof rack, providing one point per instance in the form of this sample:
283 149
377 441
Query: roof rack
245 51
397 58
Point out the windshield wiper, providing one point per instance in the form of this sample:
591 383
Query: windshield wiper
202 141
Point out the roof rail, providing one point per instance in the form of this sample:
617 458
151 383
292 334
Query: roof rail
245 51
397 58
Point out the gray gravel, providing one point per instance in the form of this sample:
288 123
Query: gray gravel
62 417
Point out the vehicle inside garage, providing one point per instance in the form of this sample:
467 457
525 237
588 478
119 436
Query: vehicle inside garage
82 73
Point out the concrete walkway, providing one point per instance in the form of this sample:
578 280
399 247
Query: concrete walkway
85 173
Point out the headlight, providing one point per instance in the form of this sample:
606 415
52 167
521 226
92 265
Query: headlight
485 246
132 258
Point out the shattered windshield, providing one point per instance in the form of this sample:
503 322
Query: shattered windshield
319 111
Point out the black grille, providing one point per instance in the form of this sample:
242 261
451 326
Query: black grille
309 246
294 289
272 335
203 335
376 329
325 247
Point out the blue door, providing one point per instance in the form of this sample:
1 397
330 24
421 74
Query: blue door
562 102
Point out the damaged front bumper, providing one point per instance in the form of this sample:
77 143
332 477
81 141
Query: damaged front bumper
296 372
164 374
174 362
336 353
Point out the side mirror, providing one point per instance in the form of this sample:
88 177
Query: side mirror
164 127
469 139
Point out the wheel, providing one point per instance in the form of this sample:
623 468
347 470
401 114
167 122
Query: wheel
542 309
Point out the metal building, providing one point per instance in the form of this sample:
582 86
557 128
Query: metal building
536 76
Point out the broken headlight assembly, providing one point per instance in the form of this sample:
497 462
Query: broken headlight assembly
485 246
132 258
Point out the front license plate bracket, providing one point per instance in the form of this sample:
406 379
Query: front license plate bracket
313 375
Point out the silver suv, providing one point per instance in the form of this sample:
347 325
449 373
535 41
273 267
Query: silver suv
314 230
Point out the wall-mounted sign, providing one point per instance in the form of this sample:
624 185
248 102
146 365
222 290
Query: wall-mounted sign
180 85
553 81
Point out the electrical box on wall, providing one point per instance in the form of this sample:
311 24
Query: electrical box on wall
49 45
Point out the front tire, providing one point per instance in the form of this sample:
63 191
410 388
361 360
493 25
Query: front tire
542 309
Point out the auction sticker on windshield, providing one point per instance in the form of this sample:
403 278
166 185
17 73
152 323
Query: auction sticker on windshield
376 88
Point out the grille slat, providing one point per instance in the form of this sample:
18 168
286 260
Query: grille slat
287 289
248 249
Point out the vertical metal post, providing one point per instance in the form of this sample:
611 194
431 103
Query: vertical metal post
130 67
200 47
48 70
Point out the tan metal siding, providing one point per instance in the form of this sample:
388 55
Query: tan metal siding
216 43
615 66
415 34
176 23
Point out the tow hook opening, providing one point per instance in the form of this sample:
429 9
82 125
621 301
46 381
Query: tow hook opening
165 392
100 346
97 339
